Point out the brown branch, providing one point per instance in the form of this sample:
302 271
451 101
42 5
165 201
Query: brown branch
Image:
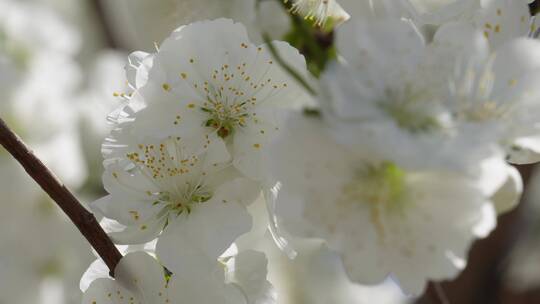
83 219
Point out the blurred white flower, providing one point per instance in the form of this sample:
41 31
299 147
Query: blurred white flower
501 94
385 87
139 24
395 85
39 76
29 36
141 279
499 20
315 275
380 212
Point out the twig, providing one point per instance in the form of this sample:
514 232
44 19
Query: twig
440 293
83 219
286 66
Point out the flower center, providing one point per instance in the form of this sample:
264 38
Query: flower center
484 111
226 117
231 93
409 119
408 111
382 186
181 179
178 203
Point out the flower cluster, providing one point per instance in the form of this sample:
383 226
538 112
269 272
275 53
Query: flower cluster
184 159
405 164
397 165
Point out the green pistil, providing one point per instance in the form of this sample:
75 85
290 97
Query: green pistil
410 119
382 185
224 123
312 112
224 129
201 197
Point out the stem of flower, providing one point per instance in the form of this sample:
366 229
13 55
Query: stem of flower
82 218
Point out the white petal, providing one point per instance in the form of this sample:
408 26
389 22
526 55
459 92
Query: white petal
439 12
320 10
139 277
250 143
525 150
509 195
384 44
125 209
196 240
513 61
240 190
248 270
503 20
97 270
142 274
140 233
99 292
137 68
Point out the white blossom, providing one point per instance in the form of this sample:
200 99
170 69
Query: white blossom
141 279
198 199
222 86
39 75
501 94
383 215
395 85
385 87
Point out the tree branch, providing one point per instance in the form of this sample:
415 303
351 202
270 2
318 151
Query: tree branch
83 219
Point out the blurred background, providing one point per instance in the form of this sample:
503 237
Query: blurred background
62 71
